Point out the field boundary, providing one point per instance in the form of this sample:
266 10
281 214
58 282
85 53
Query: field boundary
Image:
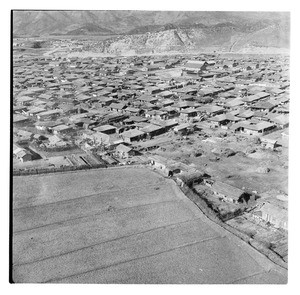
208 212
70 169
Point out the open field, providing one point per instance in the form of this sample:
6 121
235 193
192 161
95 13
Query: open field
42 163
239 170
123 225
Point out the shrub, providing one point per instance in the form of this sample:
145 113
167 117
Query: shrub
37 44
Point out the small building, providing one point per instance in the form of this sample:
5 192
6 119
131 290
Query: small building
132 135
272 213
219 121
211 110
183 129
234 104
134 111
171 112
153 67
229 193
124 151
109 160
147 98
268 143
102 139
156 114
25 135
281 121
167 102
118 107
169 124
22 154
167 166
41 125
191 177
83 98
153 90
51 114
259 129
62 129
107 129
276 91
188 113
166 94
264 106
19 119
152 144
194 67
19 109
245 114
106 101
153 130
35 110
25 100
55 141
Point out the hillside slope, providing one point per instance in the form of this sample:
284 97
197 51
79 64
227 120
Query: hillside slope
227 38
160 31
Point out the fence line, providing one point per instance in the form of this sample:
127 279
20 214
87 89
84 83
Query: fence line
70 168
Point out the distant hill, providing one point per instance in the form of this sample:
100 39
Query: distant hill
90 29
163 30
226 37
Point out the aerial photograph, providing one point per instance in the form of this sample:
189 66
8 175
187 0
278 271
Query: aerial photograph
149 146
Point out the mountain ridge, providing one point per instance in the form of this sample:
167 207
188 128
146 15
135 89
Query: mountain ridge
149 31
122 22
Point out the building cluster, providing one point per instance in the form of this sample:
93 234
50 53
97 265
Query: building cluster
116 108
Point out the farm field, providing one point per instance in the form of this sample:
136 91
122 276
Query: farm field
123 225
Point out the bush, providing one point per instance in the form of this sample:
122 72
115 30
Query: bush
250 150
256 140
228 153
37 44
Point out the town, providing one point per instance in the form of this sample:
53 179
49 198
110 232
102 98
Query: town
217 124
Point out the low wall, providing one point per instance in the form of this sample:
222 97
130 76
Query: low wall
69 168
